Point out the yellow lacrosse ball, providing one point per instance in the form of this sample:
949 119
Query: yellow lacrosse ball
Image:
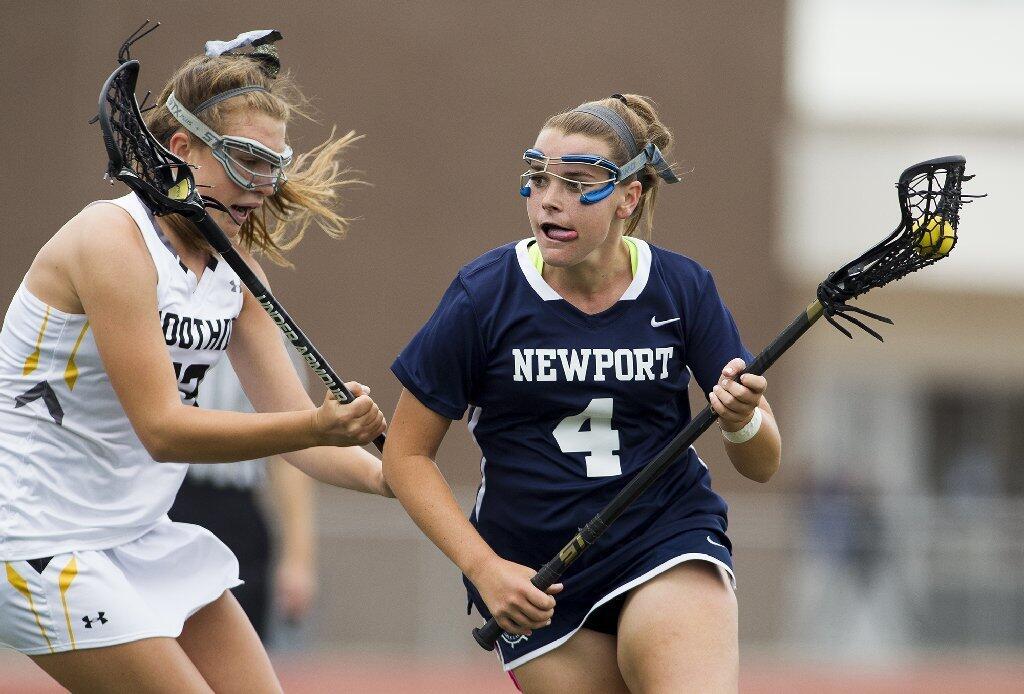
180 190
937 238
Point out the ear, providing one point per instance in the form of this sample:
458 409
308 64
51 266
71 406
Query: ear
630 199
180 145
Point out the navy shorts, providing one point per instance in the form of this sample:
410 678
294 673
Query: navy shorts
596 604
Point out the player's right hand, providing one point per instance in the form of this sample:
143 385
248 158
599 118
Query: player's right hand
516 604
355 424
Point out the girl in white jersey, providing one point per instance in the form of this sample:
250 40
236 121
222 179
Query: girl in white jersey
101 355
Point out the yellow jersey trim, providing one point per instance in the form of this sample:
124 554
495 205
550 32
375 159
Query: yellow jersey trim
538 260
21 585
32 363
71 372
67 575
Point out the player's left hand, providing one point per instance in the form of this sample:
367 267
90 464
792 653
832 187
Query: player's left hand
734 399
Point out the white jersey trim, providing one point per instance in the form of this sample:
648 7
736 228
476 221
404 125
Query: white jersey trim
474 417
545 292
542 288
643 271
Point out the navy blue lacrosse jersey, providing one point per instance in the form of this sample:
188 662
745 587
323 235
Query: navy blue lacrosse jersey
567 407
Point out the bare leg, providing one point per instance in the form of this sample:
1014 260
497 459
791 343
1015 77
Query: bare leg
222 644
585 664
147 666
678 633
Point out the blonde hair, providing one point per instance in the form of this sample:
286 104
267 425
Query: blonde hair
307 196
642 120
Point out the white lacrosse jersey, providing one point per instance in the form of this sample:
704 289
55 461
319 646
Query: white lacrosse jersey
73 473
223 391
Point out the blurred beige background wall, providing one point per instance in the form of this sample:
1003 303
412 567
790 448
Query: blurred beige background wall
794 120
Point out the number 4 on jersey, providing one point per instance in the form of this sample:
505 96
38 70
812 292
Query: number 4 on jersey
600 441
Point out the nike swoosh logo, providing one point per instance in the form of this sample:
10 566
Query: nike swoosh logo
718 544
655 323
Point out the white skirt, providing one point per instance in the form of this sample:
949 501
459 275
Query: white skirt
144 588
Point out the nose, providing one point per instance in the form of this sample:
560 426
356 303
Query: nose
264 190
551 197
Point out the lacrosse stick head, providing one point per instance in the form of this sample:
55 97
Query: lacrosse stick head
930 198
163 181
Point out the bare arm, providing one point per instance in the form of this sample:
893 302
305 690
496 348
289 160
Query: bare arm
261 361
120 300
293 495
421 488
409 467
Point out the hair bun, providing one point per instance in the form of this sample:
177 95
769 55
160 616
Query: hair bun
269 59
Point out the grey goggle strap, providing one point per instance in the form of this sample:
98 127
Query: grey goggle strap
192 123
217 98
615 122
650 154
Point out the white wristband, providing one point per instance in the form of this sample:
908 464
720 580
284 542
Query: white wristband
749 430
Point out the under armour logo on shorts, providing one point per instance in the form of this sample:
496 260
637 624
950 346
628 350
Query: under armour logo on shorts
99 618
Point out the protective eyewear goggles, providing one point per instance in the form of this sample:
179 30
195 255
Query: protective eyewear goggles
248 163
590 192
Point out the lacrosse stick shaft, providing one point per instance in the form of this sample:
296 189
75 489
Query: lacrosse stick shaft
216 237
488 634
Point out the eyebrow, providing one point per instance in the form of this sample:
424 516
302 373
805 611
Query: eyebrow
579 172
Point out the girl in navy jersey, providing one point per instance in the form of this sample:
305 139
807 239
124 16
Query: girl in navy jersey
102 353
572 350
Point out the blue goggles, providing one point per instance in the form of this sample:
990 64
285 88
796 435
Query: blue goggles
591 192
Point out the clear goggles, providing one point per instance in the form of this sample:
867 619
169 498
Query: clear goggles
592 177
248 163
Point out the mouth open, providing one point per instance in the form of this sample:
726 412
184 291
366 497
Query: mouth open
240 213
558 233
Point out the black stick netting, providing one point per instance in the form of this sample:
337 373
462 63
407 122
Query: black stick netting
930 200
137 158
